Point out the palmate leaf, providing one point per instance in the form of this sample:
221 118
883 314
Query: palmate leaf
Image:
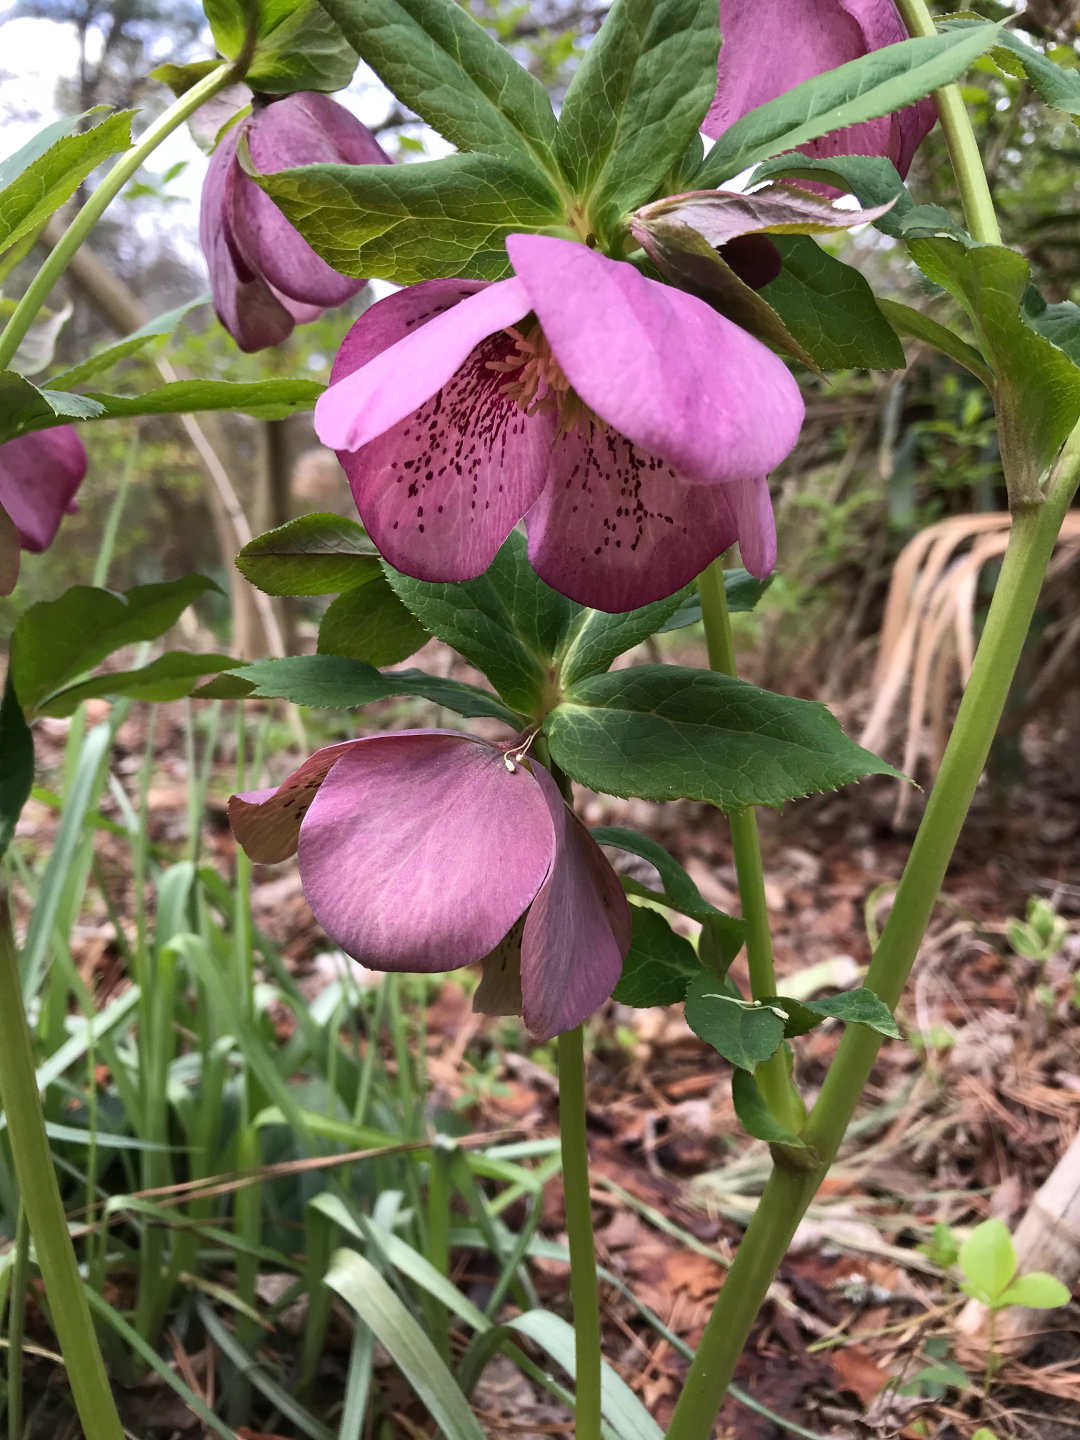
407 223
665 732
440 63
636 101
876 84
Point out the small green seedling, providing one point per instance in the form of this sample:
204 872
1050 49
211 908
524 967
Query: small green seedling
941 1373
988 1260
1041 935
943 1249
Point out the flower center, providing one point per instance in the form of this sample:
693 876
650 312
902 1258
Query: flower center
539 385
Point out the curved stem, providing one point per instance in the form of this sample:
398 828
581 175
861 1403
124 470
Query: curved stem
26 311
772 1077
787 1194
956 126
584 1288
43 1207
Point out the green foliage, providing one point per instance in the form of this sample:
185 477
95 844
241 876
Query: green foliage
298 46
635 103
679 892
872 179
370 623
16 763
744 1032
854 1007
905 320
758 1120
169 677
111 355
318 554
407 223
664 731
876 84
659 964
1041 934
987 1259
741 589
39 186
1057 86
830 309
441 64
57 640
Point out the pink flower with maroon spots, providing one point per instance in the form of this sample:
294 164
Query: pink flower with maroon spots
627 423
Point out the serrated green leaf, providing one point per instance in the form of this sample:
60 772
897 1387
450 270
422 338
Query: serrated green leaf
758 1120
665 732
319 554
23 407
39 188
407 223
659 964
854 1007
444 66
743 1032
876 84
988 1259
16 763
298 46
636 101
743 591
872 179
1037 387
1037 1291
830 309
905 320
370 623
169 677
56 640
14 164
1057 86
335 682
105 359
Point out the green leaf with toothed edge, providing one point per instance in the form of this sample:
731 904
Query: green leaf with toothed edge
854 1007
665 732
298 46
406 223
744 1032
321 554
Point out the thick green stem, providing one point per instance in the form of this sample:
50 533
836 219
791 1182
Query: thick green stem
787 1194
772 1077
44 1207
26 311
584 1289
960 137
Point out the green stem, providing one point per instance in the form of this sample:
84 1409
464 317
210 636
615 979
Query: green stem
967 163
44 1207
26 311
772 1076
584 1288
787 1194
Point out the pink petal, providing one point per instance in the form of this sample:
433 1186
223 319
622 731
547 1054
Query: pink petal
577 933
751 505
266 823
244 303
423 848
39 475
616 528
770 46
659 365
398 379
302 129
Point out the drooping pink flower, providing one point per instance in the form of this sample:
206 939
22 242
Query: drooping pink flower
39 475
770 46
264 276
426 850
628 423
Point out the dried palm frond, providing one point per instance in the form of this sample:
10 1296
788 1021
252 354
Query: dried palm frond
929 623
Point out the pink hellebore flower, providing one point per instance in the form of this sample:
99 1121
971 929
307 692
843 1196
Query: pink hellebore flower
770 46
627 422
39 475
264 276
425 850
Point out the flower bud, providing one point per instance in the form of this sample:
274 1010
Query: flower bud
39 475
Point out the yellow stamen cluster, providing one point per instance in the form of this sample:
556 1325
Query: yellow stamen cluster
539 385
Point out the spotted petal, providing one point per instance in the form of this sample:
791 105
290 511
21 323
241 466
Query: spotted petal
266 823
422 848
577 933
660 366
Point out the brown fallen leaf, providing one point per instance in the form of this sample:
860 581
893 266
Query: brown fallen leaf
855 1369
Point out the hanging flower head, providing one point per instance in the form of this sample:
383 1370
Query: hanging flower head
628 423
39 475
264 276
425 850
770 46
